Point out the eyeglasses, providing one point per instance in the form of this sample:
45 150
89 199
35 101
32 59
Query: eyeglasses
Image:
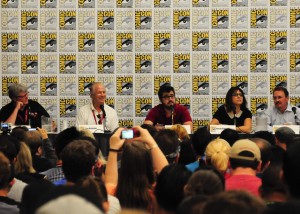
169 96
25 95
237 95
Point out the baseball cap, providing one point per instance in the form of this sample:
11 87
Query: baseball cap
245 145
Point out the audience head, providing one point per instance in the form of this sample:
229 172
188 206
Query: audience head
6 173
284 137
234 202
203 182
268 136
230 136
19 132
291 169
230 106
265 151
34 140
217 154
64 138
136 175
169 144
181 131
277 155
10 147
192 205
200 139
24 160
245 153
169 190
151 129
187 154
15 90
78 159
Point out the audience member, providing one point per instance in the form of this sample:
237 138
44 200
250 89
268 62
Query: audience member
245 160
268 136
7 205
19 132
187 155
234 111
181 131
217 154
151 129
169 189
192 205
168 112
284 137
265 151
230 136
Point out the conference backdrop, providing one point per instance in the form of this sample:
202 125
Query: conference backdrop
202 47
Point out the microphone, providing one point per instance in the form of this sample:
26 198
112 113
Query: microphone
294 109
102 109
172 114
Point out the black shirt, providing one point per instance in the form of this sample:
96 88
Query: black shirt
31 114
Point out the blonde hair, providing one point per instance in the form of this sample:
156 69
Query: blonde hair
181 131
217 154
24 160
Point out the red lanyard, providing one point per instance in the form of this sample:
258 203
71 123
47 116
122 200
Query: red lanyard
26 117
100 119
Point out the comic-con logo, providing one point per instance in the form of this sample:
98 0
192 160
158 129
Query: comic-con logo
67 107
259 62
277 80
106 63
201 85
86 42
86 63
48 86
125 85
29 64
160 81
181 63
126 123
181 19
67 85
125 4
86 4
67 20
219 63
216 103
220 19
143 19
48 4
143 84
9 20
143 63
124 42
9 3
125 106
10 42
295 101
294 62
6 82
278 2
162 41
278 40
184 101
259 18
29 20
84 85
239 41
197 123
67 64
48 42
200 41
142 106
240 81
200 3
294 18
106 20
239 3
165 3
10 64
258 105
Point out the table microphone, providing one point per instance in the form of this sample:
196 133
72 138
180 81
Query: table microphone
102 109
294 109
172 114
234 115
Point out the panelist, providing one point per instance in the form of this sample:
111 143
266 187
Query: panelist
234 111
282 113
168 112
97 112
21 110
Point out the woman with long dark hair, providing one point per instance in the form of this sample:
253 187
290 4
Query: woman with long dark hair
234 111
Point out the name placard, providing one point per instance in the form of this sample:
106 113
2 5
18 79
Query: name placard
217 129
92 128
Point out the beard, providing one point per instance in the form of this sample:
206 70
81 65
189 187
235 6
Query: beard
169 107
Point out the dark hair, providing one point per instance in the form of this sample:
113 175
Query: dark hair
151 129
169 187
265 135
33 140
243 163
136 176
19 132
6 172
192 205
64 138
187 154
168 142
285 135
280 88
165 88
265 150
228 100
230 136
8 146
200 140
78 158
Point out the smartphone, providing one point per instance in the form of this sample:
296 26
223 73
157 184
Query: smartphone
32 129
129 134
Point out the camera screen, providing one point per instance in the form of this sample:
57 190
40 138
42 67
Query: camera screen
127 134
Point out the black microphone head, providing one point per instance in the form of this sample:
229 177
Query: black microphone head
294 109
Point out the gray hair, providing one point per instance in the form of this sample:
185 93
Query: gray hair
15 89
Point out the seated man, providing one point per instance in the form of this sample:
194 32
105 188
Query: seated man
168 112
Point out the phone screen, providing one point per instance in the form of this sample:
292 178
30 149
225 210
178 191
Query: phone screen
127 134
